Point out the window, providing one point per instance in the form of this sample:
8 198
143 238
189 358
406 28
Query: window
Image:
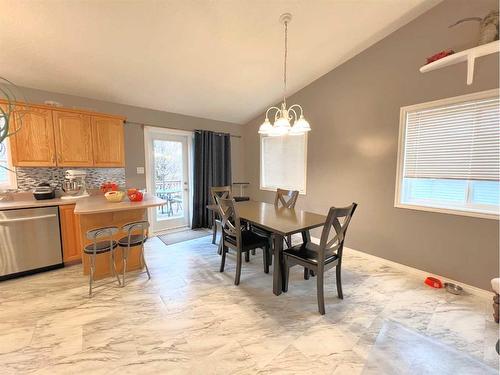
7 178
449 156
283 162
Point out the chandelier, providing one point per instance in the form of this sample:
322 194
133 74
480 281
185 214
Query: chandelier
286 120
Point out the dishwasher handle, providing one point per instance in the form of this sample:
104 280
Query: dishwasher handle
29 218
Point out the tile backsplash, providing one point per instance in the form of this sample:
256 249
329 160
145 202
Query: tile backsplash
28 178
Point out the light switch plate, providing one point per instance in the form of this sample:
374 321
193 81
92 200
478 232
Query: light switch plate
140 170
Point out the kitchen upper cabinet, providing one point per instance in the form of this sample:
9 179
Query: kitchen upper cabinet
73 137
33 143
108 141
64 137
70 234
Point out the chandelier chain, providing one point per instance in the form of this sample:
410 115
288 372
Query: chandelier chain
284 64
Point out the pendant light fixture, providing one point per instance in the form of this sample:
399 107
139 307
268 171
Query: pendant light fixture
286 120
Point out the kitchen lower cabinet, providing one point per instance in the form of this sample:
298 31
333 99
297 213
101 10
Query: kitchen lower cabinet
70 233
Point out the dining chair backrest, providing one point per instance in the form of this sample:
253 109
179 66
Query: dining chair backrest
221 192
338 219
106 232
141 226
95 234
230 218
287 198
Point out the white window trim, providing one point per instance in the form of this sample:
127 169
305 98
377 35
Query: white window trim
301 192
400 163
12 183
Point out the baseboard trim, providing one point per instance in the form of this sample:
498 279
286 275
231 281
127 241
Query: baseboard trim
415 271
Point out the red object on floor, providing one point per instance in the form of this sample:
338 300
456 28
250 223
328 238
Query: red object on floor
433 282
440 55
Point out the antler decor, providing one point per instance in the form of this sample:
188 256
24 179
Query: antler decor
8 93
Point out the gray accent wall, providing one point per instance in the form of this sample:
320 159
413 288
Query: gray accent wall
352 149
134 134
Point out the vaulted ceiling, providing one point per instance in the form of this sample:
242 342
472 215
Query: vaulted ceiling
214 59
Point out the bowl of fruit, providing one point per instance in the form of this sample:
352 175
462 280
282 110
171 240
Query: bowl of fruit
135 195
114 196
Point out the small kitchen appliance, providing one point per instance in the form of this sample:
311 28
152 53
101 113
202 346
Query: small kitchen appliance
44 191
74 184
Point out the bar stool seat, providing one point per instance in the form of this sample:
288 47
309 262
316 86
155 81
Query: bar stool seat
100 247
135 240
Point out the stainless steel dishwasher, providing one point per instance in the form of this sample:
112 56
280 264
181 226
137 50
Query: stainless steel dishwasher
30 241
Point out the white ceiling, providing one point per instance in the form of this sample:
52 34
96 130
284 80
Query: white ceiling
214 59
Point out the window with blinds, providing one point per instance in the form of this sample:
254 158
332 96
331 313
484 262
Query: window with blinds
283 162
449 155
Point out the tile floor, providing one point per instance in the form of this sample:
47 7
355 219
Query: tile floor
191 319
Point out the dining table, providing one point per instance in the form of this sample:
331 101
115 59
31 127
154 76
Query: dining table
280 222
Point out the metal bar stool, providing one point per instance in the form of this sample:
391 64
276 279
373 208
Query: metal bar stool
132 240
100 247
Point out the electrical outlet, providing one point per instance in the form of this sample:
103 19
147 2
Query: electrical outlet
140 170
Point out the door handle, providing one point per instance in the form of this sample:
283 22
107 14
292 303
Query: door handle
30 218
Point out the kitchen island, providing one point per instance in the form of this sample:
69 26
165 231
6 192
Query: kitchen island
96 212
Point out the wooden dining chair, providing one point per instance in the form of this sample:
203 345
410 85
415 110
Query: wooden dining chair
283 198
286 198
236 236
221 192
326 255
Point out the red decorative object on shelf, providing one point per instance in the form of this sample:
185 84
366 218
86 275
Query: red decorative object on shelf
433 282
440 55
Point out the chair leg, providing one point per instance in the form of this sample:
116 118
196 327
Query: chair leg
247 256
265 259
114 272
286 276
339 281
144 261
320 292
306 273
219 250
91 274
214 231
125 254
238 268
223 258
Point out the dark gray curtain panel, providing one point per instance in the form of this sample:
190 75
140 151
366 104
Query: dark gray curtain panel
212 167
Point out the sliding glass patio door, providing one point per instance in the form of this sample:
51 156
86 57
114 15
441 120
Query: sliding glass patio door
168 177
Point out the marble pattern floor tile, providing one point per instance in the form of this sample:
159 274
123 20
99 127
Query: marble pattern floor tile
192 319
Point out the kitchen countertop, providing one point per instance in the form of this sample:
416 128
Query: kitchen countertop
26 200
98 204
90 205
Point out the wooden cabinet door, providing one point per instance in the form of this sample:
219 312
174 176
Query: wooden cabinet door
73 136
33 145
108 140
70 234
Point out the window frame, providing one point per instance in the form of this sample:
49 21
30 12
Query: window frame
463 211
12 181
261 178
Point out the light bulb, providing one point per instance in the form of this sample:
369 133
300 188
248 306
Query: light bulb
302 125
282 123
266 127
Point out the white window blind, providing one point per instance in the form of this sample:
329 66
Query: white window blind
283 162
459 141
449 156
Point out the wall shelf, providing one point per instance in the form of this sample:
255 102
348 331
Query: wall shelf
469 55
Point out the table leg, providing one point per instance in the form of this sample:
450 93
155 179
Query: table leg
306 236
278 264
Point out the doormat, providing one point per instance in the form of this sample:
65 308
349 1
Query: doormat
185 235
